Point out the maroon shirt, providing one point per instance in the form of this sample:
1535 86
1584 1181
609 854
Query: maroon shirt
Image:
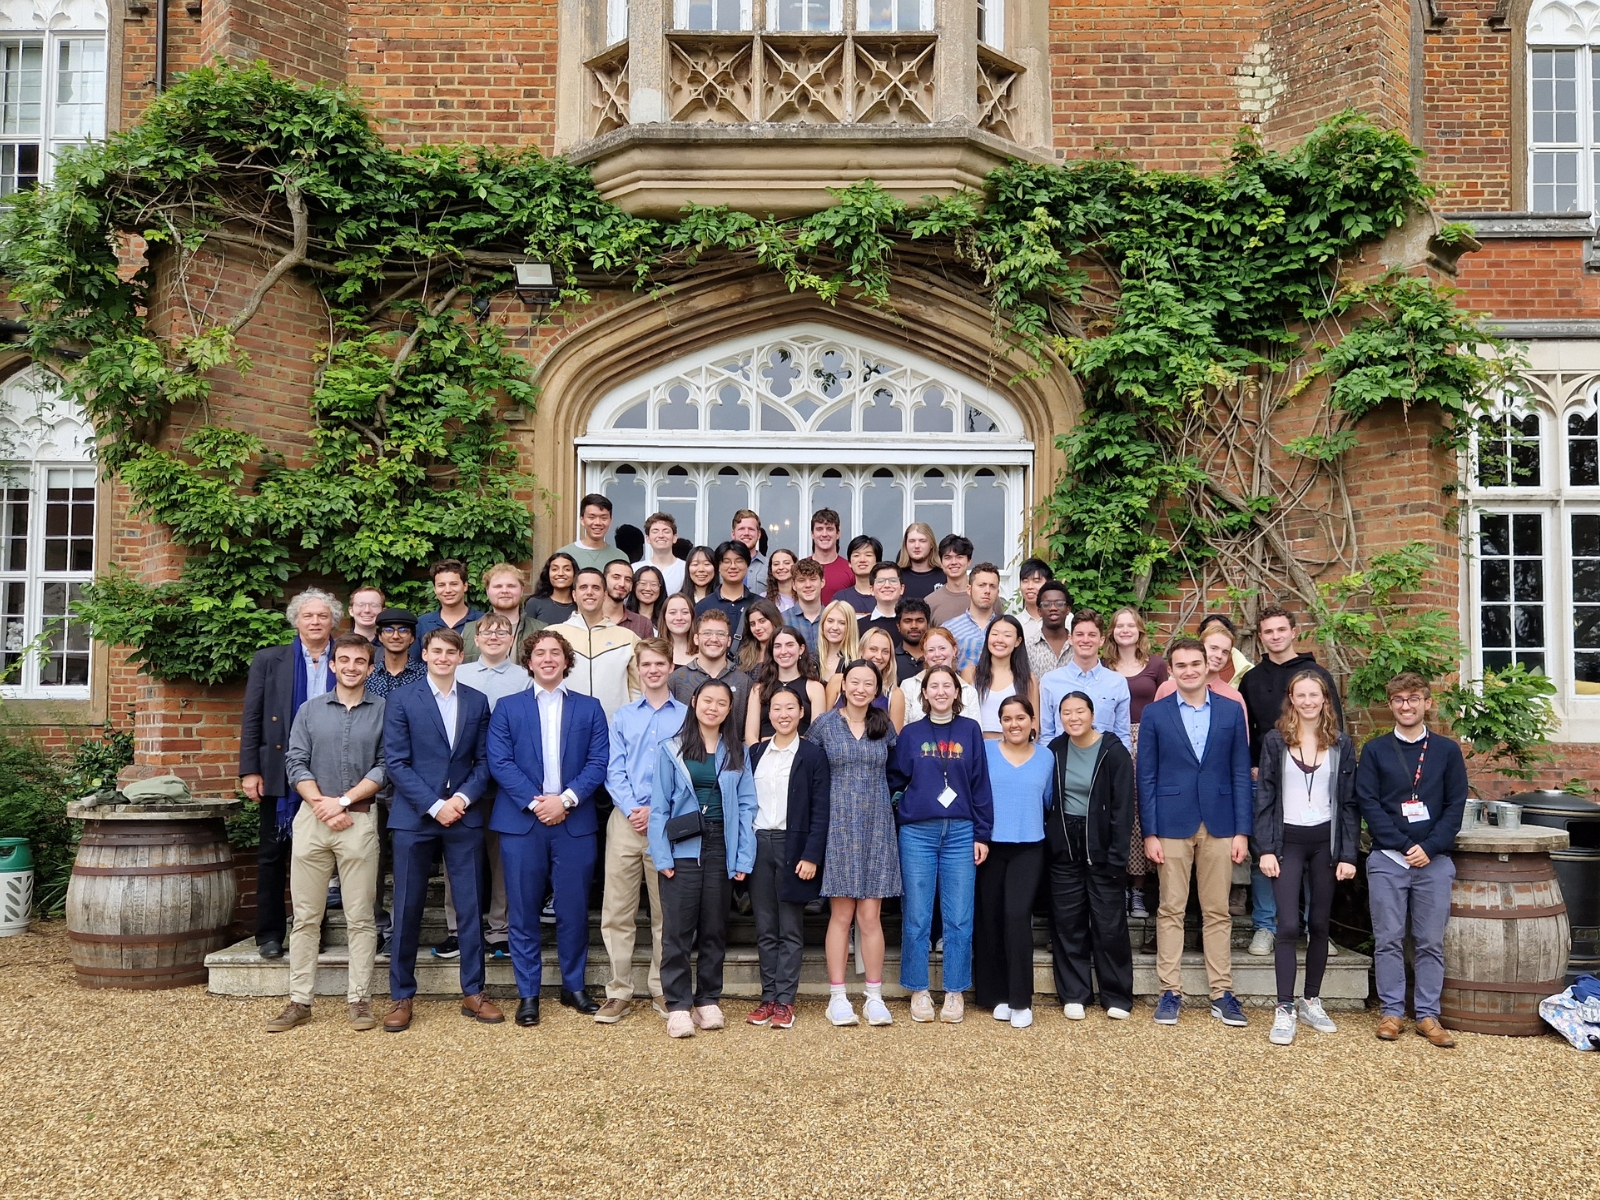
1142 687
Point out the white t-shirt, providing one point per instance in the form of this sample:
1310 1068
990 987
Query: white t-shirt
772 786
673 574
1306 799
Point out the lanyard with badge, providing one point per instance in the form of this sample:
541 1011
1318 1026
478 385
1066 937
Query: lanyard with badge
948 796
1414 809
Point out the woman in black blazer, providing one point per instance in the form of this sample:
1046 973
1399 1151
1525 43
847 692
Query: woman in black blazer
792 781
1308 826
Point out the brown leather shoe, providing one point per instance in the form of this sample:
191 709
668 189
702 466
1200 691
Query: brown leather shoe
1436 1033
361 1017
293 1014
1389 1029
481 1008
399 1018
613 1010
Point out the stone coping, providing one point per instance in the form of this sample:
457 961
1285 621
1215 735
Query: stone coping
194 810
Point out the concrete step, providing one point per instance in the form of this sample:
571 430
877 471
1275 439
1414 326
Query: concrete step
239 971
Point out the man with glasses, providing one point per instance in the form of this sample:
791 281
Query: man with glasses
1412 785
1050 644
365 605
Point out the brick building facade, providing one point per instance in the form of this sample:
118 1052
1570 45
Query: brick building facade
765 103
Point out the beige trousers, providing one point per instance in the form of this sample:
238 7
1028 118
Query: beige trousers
627 862
1210 858
317 852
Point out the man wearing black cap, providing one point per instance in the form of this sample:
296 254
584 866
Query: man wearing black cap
397 629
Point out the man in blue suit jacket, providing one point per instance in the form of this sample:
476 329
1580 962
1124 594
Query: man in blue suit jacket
1196 807
439 730
548 752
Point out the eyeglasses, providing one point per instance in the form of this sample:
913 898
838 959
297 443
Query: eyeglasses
493 633
1408 701
395 629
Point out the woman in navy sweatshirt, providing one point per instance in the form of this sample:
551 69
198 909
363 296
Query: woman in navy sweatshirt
945 814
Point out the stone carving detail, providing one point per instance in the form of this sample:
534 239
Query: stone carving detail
53 14
894 81
804 82
1559 23
997 96
36 423
710 79
609 91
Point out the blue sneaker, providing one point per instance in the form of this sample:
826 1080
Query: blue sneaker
1227 1009
1167 1008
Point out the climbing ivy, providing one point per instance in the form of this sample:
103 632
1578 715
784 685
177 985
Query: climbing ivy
1161 292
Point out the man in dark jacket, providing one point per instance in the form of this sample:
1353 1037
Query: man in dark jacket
1412 785
282 678
1265 685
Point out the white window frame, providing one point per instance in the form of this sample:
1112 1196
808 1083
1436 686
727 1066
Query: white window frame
1556 26
993 14
71 20
680 18
924 18
43 433
835 17
616 21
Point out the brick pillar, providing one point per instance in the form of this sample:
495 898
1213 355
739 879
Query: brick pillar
307 40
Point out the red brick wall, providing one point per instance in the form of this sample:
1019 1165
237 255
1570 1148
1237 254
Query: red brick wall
1468 112
1333 55
1516 277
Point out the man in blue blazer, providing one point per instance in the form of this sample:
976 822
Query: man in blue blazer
439 730
1196 807
548 752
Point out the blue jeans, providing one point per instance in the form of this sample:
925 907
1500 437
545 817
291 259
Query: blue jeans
936 856
1263 904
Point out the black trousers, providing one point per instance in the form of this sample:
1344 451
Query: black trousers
380 906
1306 855
1002 925
272 876
694 916
1089 924
780 926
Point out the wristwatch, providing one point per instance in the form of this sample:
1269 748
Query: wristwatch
344 802
569 803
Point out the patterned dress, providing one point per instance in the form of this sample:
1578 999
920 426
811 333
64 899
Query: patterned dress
863 856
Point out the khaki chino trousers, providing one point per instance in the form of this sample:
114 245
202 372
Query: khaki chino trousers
1211 861
628 863
317 852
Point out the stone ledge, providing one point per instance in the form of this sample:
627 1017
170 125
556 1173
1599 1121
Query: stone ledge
1525 225
1537 329
786 170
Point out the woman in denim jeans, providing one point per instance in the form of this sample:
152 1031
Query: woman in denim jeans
945 816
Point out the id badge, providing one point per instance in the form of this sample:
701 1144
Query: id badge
948 796
1414 810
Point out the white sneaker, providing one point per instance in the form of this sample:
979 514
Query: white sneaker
1022 1018
876 1011
840 1012
1333 951
1311 1012
1283 1025
922 1006
708 1016
1074 1012
680 1025
954 1008
1118 1014
1002 1012
1262 942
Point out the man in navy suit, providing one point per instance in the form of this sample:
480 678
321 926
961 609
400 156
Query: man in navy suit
548 752
1195 805
439 767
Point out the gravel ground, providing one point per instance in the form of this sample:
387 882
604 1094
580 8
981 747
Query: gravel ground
177 1093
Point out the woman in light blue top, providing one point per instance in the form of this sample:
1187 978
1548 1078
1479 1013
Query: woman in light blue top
1021 773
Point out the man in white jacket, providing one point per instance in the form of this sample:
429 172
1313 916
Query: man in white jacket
604 668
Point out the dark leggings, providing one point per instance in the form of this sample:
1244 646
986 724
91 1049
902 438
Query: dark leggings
1306 854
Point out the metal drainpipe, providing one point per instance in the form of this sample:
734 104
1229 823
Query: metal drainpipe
161 45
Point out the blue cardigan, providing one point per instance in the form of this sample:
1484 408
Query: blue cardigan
926 757
1177 792
674 797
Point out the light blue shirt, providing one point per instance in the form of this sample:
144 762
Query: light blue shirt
1105 687
1019 794
637 731
969 637
317 670
1196 723
496 683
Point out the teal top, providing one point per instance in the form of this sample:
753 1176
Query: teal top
704 777
1076 778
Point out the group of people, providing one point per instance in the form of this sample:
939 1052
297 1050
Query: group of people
863 729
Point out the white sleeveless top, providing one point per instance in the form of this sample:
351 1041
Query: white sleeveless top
989 707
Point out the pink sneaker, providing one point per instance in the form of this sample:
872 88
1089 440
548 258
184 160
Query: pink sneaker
708 1016
680 1025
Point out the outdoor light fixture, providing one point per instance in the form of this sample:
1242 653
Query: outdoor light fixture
536 283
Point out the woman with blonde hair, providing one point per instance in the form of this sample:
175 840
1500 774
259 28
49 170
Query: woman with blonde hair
918 561
1308 825
877 647
939 649
838 641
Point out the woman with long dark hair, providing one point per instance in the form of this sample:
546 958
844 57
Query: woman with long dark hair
551 602
649 596
862 862
1308 824
780 579
677 627
787 667
702 824
1002 671
761 620
699 574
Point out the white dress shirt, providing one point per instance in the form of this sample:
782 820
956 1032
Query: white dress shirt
448 704
772 785
552 702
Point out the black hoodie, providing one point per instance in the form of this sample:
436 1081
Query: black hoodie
1266 684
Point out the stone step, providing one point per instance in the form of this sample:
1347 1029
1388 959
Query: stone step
239 971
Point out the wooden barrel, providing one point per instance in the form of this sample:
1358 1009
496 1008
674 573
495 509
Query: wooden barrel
1506 945
150 897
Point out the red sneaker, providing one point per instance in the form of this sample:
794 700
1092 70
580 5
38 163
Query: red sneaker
782 1016
762 1014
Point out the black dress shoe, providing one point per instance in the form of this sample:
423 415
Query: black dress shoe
580 1001
271 948
528 1011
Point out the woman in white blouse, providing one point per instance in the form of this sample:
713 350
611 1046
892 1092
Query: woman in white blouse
938 650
